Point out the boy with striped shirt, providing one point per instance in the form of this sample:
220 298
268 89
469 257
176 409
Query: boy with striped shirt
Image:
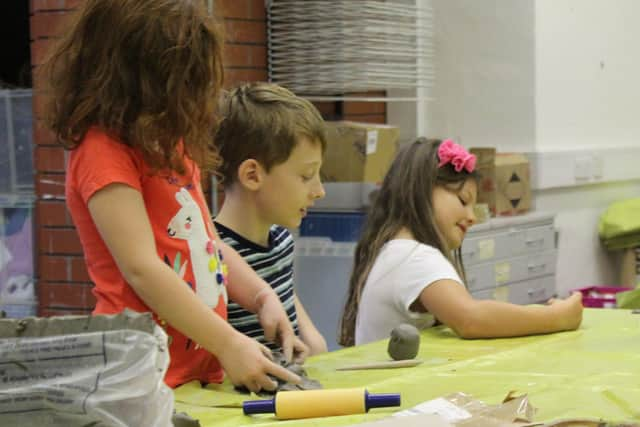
271 143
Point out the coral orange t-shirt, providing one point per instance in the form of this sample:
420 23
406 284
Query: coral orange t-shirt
184 237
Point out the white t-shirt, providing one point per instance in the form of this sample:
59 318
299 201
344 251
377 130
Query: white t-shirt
401 271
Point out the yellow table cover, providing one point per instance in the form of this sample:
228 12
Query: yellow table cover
591 372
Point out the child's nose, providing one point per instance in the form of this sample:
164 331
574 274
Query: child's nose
471 215
319 192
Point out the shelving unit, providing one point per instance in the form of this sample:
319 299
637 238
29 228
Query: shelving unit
341 50
512 259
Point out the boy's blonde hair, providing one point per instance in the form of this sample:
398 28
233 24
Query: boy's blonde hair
263 121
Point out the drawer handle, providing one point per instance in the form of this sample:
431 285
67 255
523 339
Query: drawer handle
537 294
532 267
531 242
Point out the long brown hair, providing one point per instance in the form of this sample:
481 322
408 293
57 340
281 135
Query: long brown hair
404 200
147 72
264 121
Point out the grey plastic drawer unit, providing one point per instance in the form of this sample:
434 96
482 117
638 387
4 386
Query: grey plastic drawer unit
514 256
526 292
502 271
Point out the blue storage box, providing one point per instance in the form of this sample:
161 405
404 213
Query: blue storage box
338 226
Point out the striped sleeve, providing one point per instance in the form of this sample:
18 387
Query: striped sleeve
274 264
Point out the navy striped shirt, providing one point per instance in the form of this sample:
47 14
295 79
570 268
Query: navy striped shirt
275 265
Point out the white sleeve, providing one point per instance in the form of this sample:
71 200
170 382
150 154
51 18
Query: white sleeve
424 266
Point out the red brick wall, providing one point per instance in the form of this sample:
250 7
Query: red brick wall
63 284
370 112
246 40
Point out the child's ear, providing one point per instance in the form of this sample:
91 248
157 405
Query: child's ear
251 174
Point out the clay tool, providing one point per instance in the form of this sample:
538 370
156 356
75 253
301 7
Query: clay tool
389 364
289 405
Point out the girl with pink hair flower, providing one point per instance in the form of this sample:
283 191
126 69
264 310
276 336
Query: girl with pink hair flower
408 267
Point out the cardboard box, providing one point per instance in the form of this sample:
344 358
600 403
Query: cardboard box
505 181
358 152
513 184
486 167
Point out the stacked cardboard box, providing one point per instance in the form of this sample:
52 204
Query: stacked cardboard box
356 161
358 152
505 181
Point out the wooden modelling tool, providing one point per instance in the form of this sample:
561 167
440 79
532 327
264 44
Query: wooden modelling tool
389 364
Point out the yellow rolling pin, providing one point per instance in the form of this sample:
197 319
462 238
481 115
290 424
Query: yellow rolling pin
289 405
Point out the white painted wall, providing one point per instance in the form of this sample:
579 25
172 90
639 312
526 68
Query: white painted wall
587 73
587 89
543 76
485 83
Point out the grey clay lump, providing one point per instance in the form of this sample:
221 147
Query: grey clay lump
404 342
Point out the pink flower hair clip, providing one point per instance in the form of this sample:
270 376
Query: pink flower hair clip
450 152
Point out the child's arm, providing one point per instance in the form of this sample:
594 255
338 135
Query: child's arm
450 302
309 333
253 293
119 214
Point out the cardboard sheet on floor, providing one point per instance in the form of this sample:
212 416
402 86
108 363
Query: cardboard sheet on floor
589 373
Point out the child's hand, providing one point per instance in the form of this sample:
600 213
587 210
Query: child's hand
276 325
300 351
569 311
247 363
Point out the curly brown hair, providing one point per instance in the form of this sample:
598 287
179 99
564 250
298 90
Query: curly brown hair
147 72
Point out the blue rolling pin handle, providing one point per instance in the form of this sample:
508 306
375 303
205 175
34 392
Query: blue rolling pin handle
267 406
381 400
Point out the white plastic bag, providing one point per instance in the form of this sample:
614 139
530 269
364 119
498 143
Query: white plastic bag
99 377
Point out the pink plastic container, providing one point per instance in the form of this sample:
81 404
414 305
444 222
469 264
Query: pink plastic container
600 296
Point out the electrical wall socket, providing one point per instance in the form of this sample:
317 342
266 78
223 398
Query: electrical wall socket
588 168
582 168
597 166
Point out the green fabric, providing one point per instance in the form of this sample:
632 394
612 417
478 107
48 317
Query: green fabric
629 299
627 241
591 372
620 218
